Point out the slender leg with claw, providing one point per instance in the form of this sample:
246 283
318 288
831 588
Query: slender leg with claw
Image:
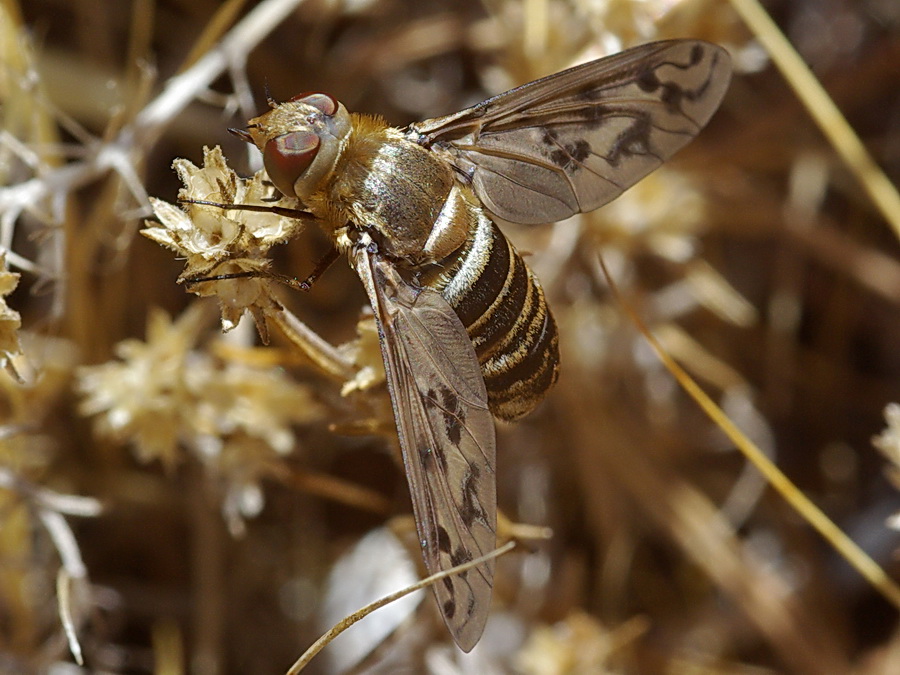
293 282
299 214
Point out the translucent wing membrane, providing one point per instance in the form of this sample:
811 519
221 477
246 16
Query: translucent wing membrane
571 142
446 434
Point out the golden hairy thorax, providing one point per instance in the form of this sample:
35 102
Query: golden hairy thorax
404 195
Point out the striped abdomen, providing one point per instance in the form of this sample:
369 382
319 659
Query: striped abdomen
502 306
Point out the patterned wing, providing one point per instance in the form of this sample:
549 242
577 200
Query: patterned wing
446 435
571 142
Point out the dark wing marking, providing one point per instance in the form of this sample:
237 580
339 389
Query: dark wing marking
446 435
573 141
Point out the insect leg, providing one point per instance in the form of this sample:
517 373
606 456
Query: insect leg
321 267
299 214
292 282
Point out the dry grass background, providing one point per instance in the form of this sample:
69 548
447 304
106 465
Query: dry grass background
187 495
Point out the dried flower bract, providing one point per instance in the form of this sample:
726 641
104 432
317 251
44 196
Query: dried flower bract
10 321
165 397
219 241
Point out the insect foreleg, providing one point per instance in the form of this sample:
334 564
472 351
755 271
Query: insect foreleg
299 214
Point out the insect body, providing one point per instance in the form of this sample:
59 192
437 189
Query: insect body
465 331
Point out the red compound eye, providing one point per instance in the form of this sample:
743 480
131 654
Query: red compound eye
287 157
325 103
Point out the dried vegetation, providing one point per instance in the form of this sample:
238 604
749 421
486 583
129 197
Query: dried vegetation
173 499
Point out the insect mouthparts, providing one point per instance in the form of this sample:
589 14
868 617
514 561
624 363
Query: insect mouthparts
240 133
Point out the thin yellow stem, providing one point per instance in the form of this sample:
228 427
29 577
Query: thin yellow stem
345 623
823 110
852 553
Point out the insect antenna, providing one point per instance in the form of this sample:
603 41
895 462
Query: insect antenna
271 101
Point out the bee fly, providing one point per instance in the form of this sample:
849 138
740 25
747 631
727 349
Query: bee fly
465 331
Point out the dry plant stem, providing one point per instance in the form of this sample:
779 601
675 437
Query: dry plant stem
535 28
848 549
64 595
874 270
823 110
340 491
140 41
184 88
168 648
800 638
507 529
73 570
343 625
209 611
215 27
319 351
116 154
233 49
45 499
